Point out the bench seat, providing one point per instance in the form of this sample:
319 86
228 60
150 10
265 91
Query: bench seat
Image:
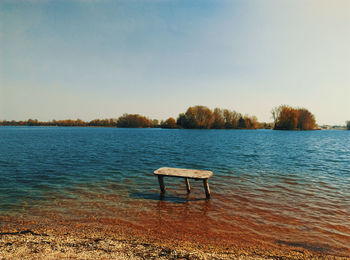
186 174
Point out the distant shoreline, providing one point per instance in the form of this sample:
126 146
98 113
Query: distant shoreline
87 126
198 117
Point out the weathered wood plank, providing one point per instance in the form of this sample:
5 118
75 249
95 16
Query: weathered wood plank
183 173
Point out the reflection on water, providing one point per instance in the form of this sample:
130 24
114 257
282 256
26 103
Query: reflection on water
161 197
269 188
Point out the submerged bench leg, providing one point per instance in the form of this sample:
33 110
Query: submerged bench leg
161 184
188 186
206 188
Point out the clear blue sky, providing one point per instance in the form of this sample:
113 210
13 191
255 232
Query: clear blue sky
99 59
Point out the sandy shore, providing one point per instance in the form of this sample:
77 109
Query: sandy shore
56 238
29 244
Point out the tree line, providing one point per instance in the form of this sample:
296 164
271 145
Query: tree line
126 120
289 118
201 117
196 117
348 125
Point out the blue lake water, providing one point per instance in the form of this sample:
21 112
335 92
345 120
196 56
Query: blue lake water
264 181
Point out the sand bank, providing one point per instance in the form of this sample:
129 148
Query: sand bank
57 238
28 244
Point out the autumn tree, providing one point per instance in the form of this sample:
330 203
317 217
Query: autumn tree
154 123
33 122
196 117
95 122
169 123
203 117
306 120
250 122
133 121
231 119
218 119
190 119
289 118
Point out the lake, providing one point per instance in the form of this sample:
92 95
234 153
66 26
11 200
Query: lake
269 188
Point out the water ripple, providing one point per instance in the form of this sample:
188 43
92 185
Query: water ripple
289 187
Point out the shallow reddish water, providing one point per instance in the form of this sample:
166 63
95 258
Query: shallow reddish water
244 218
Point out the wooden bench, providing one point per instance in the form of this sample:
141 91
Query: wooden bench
186 174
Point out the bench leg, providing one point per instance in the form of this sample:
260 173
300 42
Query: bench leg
161 184
206 188
188 186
